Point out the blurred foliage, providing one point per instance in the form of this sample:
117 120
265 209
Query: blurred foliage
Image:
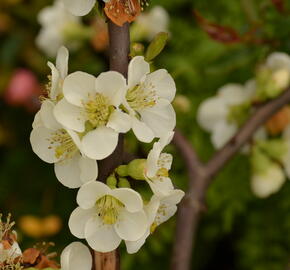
238 231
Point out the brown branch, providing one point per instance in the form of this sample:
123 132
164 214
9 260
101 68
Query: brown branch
119 58
201 175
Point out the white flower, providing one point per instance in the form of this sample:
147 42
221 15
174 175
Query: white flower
157 166
151 23
106 216
90 106
54 144
9 254
76 256
79 7
213 113
148 100
56 22
158 210
270 181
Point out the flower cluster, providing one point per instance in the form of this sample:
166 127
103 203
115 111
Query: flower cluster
79 123
269 150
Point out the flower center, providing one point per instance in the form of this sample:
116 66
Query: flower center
63 145
108 208
98 110
141 96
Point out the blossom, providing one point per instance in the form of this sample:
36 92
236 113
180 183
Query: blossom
148 100
55 144
222 114
269 181
157 166
57 24
79 7
76 256
158 211
8 254
149 24
105 216
90 106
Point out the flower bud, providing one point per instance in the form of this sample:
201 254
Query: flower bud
122 170
124 183
136 169
112 181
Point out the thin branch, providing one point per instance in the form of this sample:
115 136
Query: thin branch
200 176
119 58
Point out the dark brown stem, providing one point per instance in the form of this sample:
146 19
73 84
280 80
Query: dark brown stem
201 176
119 58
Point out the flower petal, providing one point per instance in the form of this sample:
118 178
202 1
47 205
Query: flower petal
37 122
101 237
55 79
70 116
62 61
88 168
131 226
47 117
112 84
161 118
130 198
79 7
163 84
78 86
222 133
278 60
78 219
138 67
40 142
90 192
76 256
120 121
68 172
134 246
100 143
233 93
142 131
162 186
174 198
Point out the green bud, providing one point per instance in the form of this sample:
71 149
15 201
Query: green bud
275 148
137 49
124 183
156 46
112 181
122 170
260 161
136 169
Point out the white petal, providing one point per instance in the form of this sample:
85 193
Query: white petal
90 192
163 84
138 67
131 226
55 81
101 237
79 7
76 256
134 246
120 121
211 111
152 160
70 116
88 168
39 139
78 86
62 61
166 139
100 143
174 198
233 93
167 212
222 133
165 161
162 186
263 185
47 117
112 85
78 219
278 60
68 172
37 122
130 198
161 118
142 131
151 209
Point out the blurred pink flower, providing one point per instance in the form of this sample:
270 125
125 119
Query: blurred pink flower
23 90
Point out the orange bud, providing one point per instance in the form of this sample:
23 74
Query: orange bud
277 123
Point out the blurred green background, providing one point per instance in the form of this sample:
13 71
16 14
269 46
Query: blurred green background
238 231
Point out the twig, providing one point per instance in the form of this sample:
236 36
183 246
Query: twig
119 58
201 175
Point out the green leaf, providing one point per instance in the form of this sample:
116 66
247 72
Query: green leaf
156 46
